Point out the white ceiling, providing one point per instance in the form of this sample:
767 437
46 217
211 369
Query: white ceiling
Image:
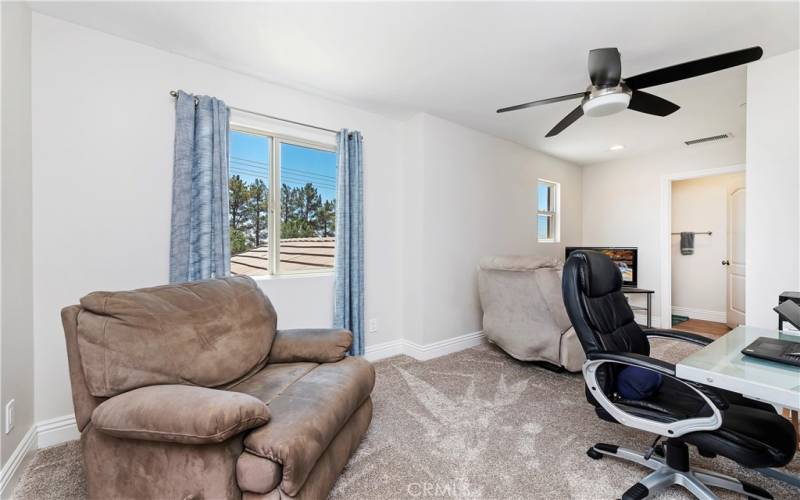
462 61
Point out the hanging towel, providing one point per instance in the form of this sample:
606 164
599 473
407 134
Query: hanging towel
687 243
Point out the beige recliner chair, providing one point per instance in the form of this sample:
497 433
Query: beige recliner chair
189 391
523 312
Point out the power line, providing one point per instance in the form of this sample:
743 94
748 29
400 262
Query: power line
292 171
249 160
289 177
307 172
254 163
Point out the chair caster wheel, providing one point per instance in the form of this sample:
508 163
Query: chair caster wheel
636 492
594 454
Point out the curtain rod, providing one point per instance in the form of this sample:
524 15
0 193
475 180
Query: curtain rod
693 232
174 93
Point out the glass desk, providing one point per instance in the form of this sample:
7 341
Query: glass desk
721 364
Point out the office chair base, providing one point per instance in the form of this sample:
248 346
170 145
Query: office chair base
694 479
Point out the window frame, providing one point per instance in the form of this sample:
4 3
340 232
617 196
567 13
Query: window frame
274 199
554 213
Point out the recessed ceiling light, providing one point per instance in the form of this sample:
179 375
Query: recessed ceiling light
616 147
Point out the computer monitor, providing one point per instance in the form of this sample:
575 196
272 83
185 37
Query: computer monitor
624 257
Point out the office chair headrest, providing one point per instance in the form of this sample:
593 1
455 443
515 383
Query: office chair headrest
598 273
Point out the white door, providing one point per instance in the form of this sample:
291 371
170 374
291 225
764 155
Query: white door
735 260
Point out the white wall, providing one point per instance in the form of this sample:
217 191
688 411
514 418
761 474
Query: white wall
438 196
478 198
773 185
102 167
16 270
622 201
699 281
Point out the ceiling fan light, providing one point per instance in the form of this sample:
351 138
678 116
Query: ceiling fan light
606 104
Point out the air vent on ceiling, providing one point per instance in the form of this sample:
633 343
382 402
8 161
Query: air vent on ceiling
710 138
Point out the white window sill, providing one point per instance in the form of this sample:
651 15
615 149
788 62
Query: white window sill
274 277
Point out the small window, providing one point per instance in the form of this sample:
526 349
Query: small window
280 186
547 211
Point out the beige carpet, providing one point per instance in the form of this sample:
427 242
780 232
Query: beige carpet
474 424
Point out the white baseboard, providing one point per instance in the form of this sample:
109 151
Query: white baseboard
56 431
12 470
385 350
446 346
704 314
426 351
41 435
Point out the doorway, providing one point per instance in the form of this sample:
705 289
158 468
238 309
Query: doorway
703 271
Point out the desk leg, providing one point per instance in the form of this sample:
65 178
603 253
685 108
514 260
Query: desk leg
650 312
794 416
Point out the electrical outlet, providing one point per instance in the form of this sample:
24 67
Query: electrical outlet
11 407
373 325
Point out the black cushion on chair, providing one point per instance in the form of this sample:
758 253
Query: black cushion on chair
752 433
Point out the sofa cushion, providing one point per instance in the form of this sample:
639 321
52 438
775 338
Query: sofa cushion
179 414
308 414
206 333
273 379
319 345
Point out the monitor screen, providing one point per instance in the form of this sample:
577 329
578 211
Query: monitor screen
624 257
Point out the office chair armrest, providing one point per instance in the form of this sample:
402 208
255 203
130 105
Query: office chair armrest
677 335
664 368
633 359
713 400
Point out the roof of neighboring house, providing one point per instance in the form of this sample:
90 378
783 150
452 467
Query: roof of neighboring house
296 255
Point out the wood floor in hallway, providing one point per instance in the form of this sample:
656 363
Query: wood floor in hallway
708 328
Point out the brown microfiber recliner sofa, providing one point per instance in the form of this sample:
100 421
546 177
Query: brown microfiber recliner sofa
189 391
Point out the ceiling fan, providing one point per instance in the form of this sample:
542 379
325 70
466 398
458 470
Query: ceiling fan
610 93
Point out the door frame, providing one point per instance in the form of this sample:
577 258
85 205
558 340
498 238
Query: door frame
665 226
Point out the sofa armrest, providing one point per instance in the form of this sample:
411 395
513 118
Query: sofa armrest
323 345
180 414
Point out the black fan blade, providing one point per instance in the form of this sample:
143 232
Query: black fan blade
694 68
566 121
543 101
651 104
604 67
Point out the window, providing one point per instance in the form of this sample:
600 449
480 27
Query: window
280 186
547 211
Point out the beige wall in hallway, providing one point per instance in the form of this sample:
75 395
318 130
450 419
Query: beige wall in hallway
699 281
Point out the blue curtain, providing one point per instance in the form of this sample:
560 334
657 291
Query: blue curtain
349 263
200 246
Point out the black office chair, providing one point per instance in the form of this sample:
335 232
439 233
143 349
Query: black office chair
715 421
